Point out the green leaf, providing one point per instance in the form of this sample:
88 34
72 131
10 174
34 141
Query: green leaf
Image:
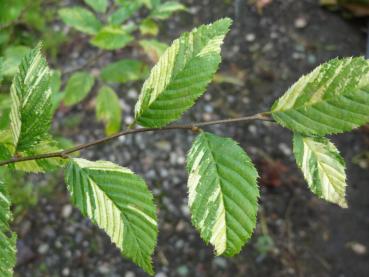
31 106
12 58
181 75
124 71
55 85
333 98
125 12
98 5
165 10
78 87
223 192
111 37
322 166
5 107
149 27
108 110
81 19
153 48
43 165
5 154
12 11
119 202
8 238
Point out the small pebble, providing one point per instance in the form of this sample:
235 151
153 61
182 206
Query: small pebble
43 248
129 274
300 22
250 37
67 211
358 248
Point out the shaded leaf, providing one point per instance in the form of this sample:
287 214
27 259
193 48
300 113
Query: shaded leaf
149 27
125 12
12 58
108 110
98 5
124 71
166 9
81 19
111 37
153 48
78 87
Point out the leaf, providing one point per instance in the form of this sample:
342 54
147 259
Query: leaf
223 192
98 5
111 37
78 87
12 58
108 110
125 12
153 48
55 84
31 106
119 202
165 10
12 12
43 165
5 106
8 238
181 75
124 71
334 98
322 166
81 19
149 27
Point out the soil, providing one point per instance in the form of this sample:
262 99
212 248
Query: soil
302 235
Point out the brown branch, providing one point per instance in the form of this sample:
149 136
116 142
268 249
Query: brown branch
192 127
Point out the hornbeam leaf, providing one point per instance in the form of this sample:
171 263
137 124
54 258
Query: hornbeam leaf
31 105
223 192
8 238
322 166
119 202
181 75
333 98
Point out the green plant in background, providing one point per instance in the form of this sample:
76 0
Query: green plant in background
222 184
22 24
113 27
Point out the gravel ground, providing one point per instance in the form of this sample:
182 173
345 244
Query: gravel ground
297 234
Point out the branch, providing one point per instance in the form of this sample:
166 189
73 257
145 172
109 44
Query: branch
195 127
